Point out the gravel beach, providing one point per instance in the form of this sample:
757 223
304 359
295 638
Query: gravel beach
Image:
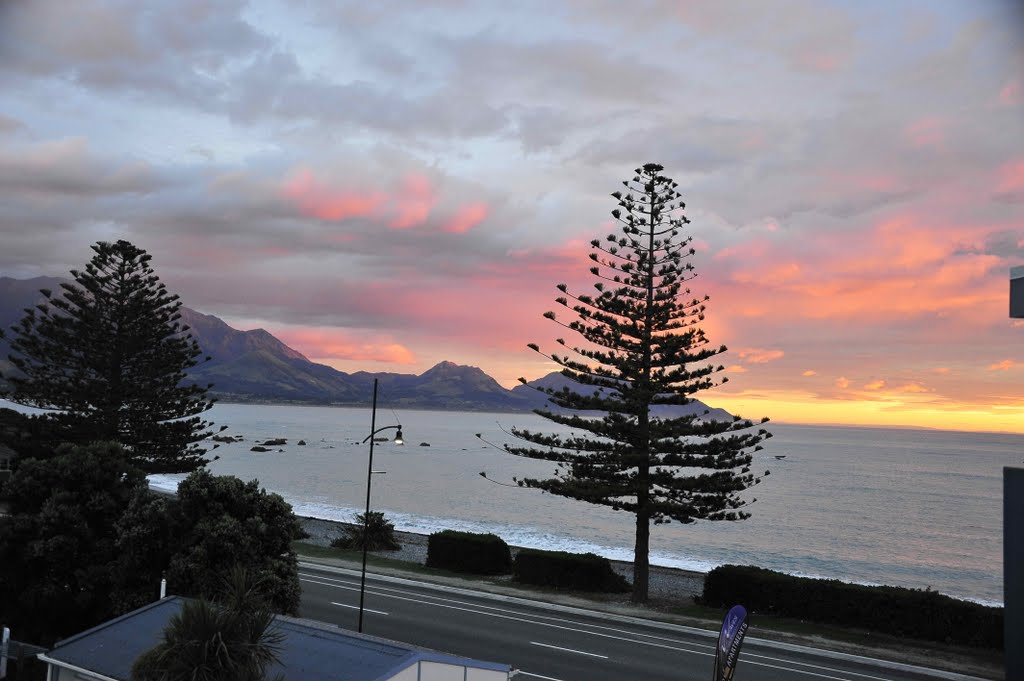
667 585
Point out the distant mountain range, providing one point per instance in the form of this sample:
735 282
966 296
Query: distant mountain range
254 366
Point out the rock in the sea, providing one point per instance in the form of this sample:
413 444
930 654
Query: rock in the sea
276 442
301 443
424 444
257 448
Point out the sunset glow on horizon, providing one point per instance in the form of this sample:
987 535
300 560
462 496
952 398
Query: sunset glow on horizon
387 186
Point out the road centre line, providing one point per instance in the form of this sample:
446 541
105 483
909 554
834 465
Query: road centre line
568 650
550 618
874 662
356 607
675 648
518 672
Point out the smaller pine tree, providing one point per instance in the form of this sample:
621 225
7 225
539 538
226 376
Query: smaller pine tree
108 358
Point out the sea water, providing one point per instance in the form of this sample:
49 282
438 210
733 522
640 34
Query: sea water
914 508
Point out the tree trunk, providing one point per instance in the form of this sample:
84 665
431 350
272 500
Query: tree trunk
641 557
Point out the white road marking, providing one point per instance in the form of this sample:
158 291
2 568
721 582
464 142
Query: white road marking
568 650
480 609
356 607
519 672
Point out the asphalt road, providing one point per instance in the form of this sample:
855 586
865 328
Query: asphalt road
563 644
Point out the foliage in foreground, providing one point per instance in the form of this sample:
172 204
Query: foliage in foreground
374 531
86 541
642 348
213 523
107 357
59 544
912 613
230 638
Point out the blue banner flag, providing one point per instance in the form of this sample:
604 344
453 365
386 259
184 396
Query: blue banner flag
734 628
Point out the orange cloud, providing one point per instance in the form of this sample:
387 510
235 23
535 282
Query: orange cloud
736 369
809 372
466 218
1005 365
842 383
913 388
330 343
760 355
877 384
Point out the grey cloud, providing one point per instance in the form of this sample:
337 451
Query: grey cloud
9 125
179 50
67 168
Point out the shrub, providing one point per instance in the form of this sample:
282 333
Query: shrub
379 534
579 571
480 554
914 613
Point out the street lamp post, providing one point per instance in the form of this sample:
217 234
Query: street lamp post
369 476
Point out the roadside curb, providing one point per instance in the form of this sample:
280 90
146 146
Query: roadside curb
666 626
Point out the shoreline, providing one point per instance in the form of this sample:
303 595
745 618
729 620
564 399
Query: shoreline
665 584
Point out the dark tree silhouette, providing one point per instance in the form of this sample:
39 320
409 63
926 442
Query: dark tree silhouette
108 357
643 348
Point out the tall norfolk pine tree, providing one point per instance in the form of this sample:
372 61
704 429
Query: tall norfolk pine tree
109 358
643 348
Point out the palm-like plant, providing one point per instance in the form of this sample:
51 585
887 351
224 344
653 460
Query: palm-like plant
373 530
231 639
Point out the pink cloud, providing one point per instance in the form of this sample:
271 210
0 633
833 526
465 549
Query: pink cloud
926 132
1005 365
315 199
413 203
1010 94
842 382
820 61
1011 178
466 218
409 206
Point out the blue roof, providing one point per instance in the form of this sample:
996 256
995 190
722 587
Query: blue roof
310 650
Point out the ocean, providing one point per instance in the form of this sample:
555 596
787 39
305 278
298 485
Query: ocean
913 508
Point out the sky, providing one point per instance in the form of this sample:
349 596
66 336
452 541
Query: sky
387 185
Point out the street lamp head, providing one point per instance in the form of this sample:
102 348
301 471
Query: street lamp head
398 437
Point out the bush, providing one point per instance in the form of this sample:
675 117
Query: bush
914 613
379 534
479 554
579 571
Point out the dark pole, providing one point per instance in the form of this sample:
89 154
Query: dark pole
366 515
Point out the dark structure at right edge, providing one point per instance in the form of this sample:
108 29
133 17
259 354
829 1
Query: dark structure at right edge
1013 531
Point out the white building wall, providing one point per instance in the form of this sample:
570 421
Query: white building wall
439 671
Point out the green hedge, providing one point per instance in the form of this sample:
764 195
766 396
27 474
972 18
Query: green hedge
478 554
579 571
926 615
